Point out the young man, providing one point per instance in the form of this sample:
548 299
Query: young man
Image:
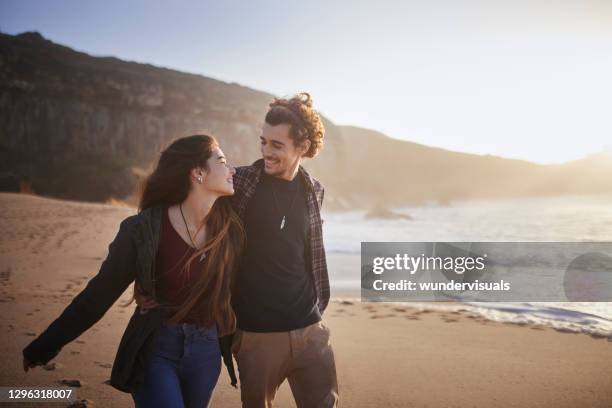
282 286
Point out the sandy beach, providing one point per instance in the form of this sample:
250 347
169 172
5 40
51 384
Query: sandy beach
387 355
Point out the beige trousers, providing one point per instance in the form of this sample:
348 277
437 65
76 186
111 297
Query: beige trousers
303 356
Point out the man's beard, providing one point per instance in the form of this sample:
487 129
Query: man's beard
277 170
275 173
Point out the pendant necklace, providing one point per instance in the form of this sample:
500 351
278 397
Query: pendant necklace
282 224
189 233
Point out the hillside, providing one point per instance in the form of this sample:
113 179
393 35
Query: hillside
88 128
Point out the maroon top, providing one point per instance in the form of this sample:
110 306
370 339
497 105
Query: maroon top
173 282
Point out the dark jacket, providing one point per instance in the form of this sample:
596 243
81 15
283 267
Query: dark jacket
131 257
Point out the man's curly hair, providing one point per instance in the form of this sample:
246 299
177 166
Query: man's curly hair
304 120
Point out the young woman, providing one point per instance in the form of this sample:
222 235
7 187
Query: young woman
181 249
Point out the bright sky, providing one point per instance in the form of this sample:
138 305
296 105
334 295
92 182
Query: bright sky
522 79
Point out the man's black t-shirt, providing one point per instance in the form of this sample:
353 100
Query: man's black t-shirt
274 290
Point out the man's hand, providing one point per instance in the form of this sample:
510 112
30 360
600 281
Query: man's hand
144 303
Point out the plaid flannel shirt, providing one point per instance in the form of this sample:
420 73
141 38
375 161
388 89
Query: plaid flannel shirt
245 183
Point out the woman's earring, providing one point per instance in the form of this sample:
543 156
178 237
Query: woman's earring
200 179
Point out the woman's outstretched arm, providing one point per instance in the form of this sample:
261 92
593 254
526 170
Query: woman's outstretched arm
115 275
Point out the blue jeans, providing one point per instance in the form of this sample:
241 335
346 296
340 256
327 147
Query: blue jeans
184 368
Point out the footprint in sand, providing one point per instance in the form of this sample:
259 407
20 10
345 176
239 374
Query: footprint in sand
5 276
65 236
71 383
516 323
86 403
370 308
448 319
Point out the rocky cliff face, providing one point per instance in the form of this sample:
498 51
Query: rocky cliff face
56 99
88 128
57 104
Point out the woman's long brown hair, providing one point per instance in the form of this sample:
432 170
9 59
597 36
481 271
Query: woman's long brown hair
169 184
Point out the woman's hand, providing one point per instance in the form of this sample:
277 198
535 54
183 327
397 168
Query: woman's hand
27 364
144 303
